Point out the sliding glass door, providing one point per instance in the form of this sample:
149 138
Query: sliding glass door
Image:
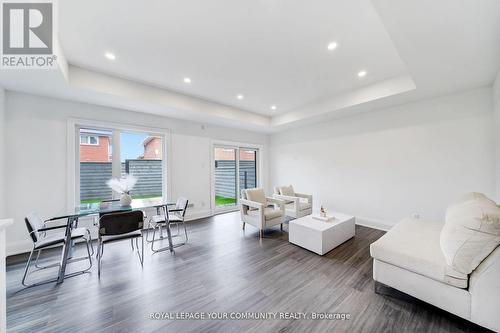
235 168
247 168
225 177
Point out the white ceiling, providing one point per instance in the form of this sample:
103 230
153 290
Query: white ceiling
273 52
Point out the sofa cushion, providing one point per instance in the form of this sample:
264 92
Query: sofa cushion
256 195
413 244
471 232
477 212
269 213
287 190
473 196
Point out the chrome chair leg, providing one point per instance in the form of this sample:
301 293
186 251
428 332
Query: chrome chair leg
153 226
89 255
28 263
27 267
43 267
141 253
153 241
39 252
90 240
23 281
100 252
185 231
185 235
148 231
36 260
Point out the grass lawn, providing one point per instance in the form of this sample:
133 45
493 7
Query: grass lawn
219 201
222 201
91 201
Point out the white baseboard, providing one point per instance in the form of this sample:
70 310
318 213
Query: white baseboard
373 223
22 246
197 215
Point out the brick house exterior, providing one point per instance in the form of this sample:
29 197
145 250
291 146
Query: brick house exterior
94 146
222 154
153 149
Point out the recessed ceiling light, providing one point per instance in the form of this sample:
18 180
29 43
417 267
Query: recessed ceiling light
110 56
332 46
240 97
273 107
187 80
362 74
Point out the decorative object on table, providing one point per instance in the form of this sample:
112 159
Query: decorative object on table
324 218
123 186
322 212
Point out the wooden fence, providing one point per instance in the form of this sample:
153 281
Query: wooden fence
94 175
225 177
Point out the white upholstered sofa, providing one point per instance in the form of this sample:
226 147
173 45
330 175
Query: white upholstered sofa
296 204
410 258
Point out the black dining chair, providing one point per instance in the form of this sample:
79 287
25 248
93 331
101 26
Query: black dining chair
41 235
96 222
175 216
120 226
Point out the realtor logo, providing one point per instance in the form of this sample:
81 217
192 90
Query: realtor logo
27 34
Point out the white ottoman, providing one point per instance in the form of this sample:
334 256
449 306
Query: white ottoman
318 236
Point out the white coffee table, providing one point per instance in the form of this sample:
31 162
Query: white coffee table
318 236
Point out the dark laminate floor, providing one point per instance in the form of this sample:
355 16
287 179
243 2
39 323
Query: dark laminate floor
223 269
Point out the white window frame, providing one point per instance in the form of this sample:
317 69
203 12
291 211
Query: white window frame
237 146
88 143
73 147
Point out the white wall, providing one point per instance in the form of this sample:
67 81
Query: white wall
496 101
36 148
2 155
387 164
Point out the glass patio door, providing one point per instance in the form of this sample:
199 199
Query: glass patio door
225 181
235 168
247 169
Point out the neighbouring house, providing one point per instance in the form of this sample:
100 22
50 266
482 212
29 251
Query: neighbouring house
223 154
152 148
95 146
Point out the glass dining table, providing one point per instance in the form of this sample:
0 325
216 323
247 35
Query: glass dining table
101 208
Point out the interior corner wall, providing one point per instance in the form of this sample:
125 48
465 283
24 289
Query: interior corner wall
36 134
384 165
496 101
2 154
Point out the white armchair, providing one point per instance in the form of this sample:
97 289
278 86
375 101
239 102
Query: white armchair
260 211
296 204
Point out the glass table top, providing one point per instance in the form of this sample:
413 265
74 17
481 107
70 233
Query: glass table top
112 206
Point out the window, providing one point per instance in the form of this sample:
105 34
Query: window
235 168
141 157
137 153
89 140
95 166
